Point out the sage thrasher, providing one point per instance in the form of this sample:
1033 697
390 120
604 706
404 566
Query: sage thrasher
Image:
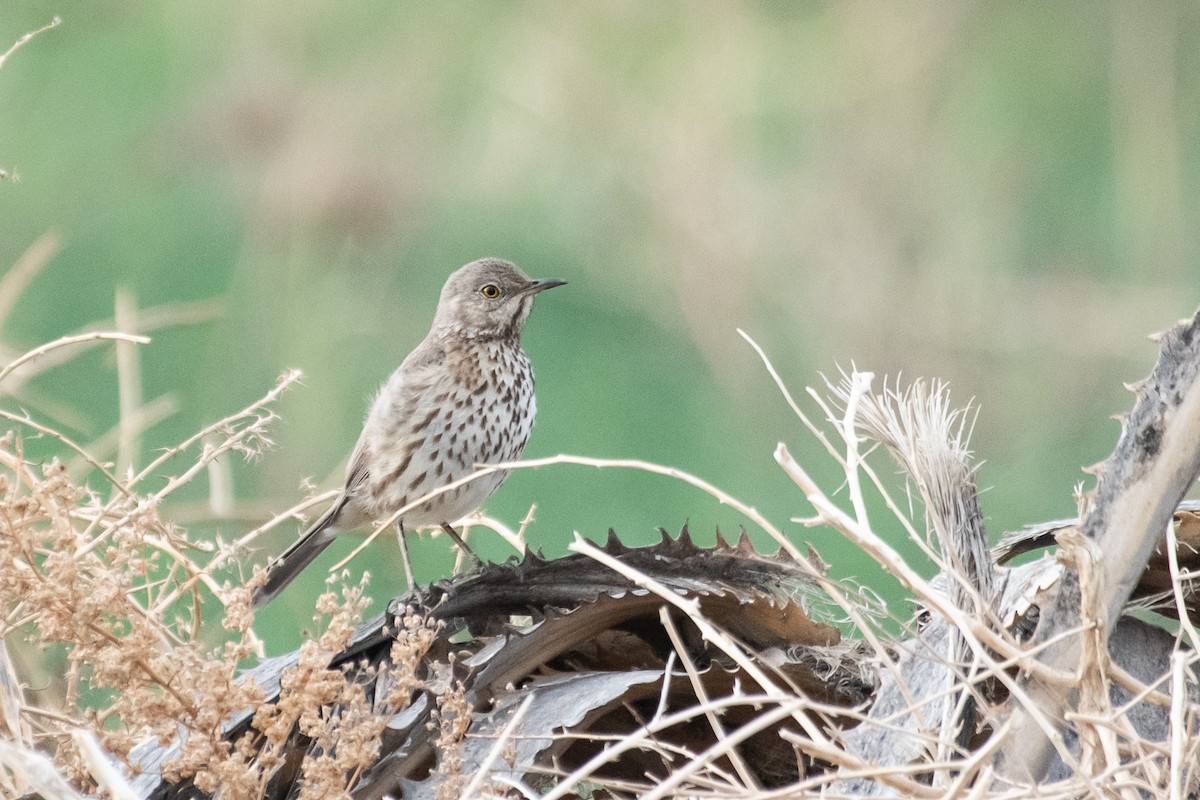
463 397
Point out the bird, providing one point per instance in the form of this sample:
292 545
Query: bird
462 397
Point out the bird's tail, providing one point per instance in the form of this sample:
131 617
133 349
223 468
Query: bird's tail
292 561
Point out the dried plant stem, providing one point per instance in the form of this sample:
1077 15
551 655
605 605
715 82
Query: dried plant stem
67 341
1177 579
144 418
24 270
516 539
815 430
702 697
724 746
195 573
54 23
784 707
494 753
974 632
150 319
1179 728
860 384
129 384
285 382
294 512
29 422
796 708
226 554
234 438
149 672
166 315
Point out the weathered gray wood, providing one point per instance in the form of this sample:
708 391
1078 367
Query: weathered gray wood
1155 461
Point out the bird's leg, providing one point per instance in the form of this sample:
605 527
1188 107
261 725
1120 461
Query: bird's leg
462 545
408 570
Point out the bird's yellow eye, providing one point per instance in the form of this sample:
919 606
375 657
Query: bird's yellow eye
491 291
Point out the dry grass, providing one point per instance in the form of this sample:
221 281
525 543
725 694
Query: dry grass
108 601
928 438
118 625
104 594
105 597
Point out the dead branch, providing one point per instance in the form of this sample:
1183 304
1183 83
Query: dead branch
1156 460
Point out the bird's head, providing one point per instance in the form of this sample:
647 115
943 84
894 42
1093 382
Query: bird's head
488 298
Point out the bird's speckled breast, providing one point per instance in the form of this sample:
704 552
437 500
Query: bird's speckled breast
480 412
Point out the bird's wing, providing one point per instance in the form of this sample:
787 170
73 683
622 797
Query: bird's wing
415 376
422 366
356 469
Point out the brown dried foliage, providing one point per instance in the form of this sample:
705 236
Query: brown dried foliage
118 626
112 589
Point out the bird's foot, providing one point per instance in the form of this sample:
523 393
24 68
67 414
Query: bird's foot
462 544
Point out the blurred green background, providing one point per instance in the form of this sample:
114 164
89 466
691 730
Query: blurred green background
996 194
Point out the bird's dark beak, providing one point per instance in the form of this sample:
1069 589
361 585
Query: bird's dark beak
541 286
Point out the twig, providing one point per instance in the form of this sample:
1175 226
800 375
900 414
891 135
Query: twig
707 630
785 707
65 342
860 384
485 766
146 417
54 23
26 268
813 429
1181 608
129 384
698 689
1178 727
29 422
233 439
151 319
284 383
